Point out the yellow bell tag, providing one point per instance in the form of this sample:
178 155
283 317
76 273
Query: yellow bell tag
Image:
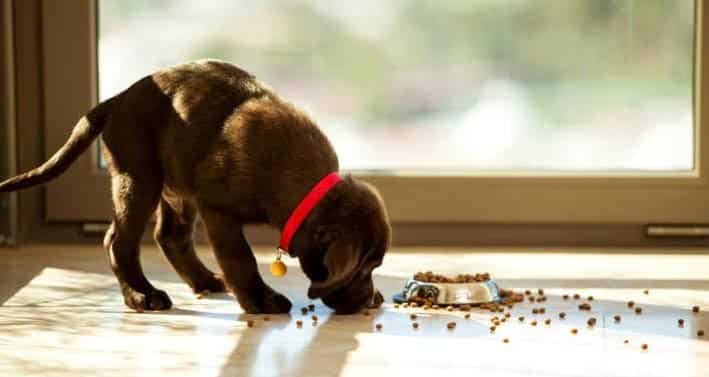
278 268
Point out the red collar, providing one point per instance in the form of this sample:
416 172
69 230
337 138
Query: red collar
304 208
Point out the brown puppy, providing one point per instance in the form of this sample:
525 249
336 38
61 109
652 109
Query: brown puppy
207 138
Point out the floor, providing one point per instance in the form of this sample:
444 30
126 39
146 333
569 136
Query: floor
61 314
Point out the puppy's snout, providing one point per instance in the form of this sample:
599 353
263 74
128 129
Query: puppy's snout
377 300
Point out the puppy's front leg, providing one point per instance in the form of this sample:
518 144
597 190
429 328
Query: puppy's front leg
239 265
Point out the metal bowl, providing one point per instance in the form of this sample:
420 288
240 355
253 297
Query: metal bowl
475 293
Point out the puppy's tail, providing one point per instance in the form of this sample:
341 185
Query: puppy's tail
86 130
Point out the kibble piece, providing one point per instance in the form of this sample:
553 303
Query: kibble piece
508 315
695 309
314 318
647 291
311 307
547 321
250 323
503 319
585 306
396 306
565 297
540 291
532 299
304 310
415 325
616 318
574 331
449 308
542 310
626 341
378 326
700 332
405 305
638 310
521 318
266 318
413 317
492 328
533 323
299 323
562 315
506 340
496 323
590 298
591 322
527 292
577 296
644 346
450 325
631 304
680 322
535 311
467 315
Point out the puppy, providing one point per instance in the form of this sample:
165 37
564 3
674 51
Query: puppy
208 139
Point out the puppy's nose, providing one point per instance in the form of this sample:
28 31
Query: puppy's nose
377 299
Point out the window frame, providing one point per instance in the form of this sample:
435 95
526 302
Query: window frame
69 52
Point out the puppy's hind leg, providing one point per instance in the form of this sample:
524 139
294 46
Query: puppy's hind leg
173 234
134 202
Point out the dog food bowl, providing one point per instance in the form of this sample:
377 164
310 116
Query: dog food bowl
474 293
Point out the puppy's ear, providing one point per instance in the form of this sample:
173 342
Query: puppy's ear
342 260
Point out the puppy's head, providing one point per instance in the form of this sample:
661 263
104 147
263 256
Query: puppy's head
343 240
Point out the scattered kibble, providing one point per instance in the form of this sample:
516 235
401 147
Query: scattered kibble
547 321
304 310
378 326
638 310
631 304
396 306
299 323
492 328
540 291
626 341
590 298
574 331
577 296
695 309
647 291
533 323
565 297
616 318
521 318
535 311
311 307
250 323
528 292
496 323
644 346
413 317
700 332
415 325
450 325
532 299
405 305
542 310
467 315
508 315
562 315
591 322
449 308
503 319
585 306
314 318
680 322
506 340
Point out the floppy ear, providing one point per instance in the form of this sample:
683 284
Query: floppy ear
342 260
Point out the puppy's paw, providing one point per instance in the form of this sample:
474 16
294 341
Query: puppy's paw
268 302
211 284
153 300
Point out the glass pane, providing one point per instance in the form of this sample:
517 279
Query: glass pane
455 85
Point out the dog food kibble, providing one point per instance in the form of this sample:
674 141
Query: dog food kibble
405 305
680 322
467 315
505 340
492 328
577 296
527 292
266 318
574 331
562 315
532 299
449 308
299 323
304 310
378 326
585 306
396 306
508 315
631 304
413 317
616 318
626 341
638 310
695 309
700 333
311 307
547 321
503 319
540 291
496 323
591 322
521 318
314 318
450 325
644 346
250 323
533 323
590 298
565 297
647 291
415 325
535 311
542 310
